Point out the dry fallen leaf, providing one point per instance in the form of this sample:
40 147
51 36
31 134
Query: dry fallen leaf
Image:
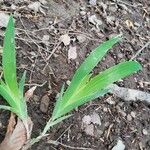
65 39
72 52
44 103
30 92
16 135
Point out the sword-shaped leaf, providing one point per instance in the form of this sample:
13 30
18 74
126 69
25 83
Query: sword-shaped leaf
9 58
83 71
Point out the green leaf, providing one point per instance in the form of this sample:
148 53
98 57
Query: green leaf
9 58
59 99
111 75
6 93
97 86
51 123
82 73
72 104
90 62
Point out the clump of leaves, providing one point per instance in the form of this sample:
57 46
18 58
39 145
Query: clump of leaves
85 87
9 88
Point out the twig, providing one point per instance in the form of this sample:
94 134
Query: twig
53 51
35 84
70 147
64 132
140 50
129 94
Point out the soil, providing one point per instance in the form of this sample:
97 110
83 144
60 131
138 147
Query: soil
48 66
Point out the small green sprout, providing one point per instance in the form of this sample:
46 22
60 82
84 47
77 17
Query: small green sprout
9 88
84 87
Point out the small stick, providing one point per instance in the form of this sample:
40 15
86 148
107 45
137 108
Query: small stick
70 147
140 50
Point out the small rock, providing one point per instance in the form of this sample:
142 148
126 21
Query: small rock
119 146
45 39
145 132
89 130
81 38
95 21
4 18
95 119
110 19
82 8
68 82
92 2
98 133
110 101
13 7
129 118
133 114
35 6
112 8
72 52
82 13
65 39
86 120
120 55
105 109
44 103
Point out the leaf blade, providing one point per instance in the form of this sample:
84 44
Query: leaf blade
112 74
86 67
90 62
9 58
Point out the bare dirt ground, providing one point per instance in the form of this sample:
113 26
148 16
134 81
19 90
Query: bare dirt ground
40 51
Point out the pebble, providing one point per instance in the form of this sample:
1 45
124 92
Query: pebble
86 120
95 119
83 13
110 101
129 118
133 114
89 130
120 55
92 2
81 38
145 132
119 146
